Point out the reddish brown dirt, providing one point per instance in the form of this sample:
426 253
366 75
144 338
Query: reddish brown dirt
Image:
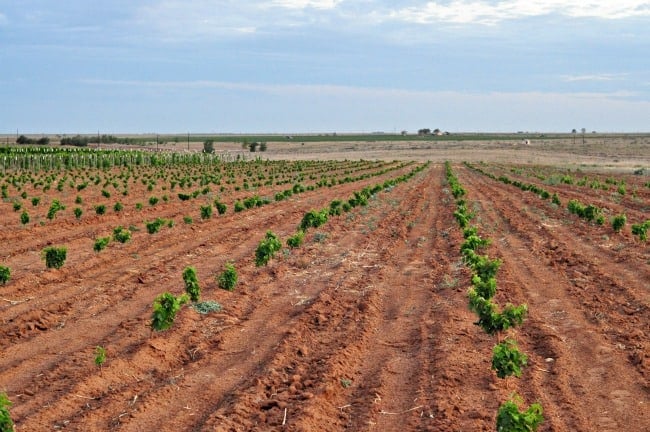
365 327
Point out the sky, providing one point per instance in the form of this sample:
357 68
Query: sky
322 66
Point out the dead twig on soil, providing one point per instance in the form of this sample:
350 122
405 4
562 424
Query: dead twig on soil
399 413
85 397
15 302
284 420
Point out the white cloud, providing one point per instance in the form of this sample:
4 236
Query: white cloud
490 12
303 4
595 77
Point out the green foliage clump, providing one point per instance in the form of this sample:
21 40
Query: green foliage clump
239 206
154 225
54 256
314 219
188 220
228 278
100 209
100 355
618 222
153 201
221 207
555 199
101 243
490 319
507 360
206 211
24 217
118 207
511 419
6 423
77 212
191 280
35 201
121 234
55 207
267 248
296 240
641 230
165 307
5 274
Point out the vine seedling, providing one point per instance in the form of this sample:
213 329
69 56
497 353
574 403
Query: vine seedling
507 360
6 423
5 275
54 256
511 419
100 355
228 278
192 287
165 307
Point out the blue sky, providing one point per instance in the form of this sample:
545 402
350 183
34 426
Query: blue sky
230 66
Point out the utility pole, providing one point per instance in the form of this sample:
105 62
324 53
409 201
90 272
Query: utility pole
188 141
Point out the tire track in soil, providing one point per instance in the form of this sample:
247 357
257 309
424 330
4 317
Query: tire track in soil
142 306
386 354
291 370
559 328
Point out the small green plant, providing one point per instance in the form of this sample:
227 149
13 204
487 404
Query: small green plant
54 256
121 234
24 217
618 222
345 383
100 355
221 207
5 274
511 419
555 199
17 205
314 218
118 207
6 423
507 360
106 193
239 206
191 280
165 307
100 209
153 200
641 230
78 212
78 200
267 247
228 278
101 243
206 211
138 206
188 220
36 201
296 240
55 207
154 225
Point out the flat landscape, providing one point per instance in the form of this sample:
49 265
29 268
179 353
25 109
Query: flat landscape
365 326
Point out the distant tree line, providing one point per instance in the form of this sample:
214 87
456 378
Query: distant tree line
83 141
24 140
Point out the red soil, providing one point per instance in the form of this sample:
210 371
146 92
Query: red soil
365 327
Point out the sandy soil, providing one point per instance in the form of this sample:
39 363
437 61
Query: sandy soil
365 327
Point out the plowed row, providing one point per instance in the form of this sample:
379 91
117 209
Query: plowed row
365 327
